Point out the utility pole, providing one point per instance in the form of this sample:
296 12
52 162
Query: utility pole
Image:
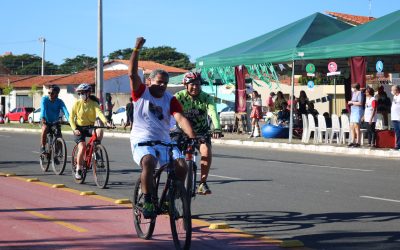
99 83
43 40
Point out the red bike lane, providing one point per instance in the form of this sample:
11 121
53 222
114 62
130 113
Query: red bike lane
34 215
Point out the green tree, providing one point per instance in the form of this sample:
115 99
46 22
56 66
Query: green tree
164 54
8 89
27 64
77 63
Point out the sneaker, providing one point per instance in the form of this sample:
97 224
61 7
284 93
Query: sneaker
351 145
148 210
78 174
203 189
356 145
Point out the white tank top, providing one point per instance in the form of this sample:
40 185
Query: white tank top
369 110
151 118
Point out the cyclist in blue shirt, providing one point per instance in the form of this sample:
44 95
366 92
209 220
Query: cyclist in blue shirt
50 107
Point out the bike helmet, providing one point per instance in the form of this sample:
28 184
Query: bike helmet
55 88
190 77
84 87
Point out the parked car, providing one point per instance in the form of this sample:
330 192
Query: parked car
119 116
34 117
18 114
227 118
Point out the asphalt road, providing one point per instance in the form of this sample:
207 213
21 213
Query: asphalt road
325 201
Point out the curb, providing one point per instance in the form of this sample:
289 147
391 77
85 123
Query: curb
315 148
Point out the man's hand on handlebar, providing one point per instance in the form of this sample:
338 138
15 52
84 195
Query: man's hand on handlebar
216 134
110 125
77 132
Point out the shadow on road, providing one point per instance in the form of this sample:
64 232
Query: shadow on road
282 224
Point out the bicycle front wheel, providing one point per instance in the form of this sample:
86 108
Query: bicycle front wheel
144 227
101 168
189 180
180 216
44 159
59 156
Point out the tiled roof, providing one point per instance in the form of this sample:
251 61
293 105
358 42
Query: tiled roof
149 66
352 19
35 80
86 76
4 79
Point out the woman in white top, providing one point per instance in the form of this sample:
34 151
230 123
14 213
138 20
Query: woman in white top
256 113
370 115
395 113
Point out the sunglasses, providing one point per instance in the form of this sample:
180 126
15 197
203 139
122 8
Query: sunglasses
52 93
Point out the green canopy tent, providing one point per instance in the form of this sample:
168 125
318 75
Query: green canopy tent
378 37
276 46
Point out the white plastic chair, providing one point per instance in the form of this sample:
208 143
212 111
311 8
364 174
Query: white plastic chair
345 128
322 129
335 129
305 128
312 128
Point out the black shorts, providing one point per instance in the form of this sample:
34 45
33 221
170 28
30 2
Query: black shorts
85 132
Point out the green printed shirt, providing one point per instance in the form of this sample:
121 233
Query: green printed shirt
197 109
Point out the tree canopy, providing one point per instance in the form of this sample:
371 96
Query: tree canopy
163 54
27 64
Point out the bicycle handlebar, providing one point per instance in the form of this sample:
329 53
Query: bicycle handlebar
153 143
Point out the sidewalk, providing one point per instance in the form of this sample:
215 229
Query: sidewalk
280 144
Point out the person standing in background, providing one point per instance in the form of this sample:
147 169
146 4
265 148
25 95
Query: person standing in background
395 111
256 114
129 114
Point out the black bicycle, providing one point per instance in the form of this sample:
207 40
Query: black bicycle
170 197
55 150
190 151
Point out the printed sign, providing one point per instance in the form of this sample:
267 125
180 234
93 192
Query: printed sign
310 84
310 68
332 66
379 66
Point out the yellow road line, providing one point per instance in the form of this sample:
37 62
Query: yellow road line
198 222
59 222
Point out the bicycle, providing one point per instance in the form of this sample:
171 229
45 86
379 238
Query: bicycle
191 151
96 159
173 200
55 150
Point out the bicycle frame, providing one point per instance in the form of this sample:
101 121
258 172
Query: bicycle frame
89 149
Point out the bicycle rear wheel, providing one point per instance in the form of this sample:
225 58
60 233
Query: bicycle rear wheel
144 227
59 156
101 168
180 216
73 166
44 159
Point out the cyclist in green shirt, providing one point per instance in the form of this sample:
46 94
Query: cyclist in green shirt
197 106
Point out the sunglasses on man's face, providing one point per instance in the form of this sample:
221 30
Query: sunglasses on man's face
52 93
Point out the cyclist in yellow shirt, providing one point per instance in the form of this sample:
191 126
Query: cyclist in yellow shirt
83 115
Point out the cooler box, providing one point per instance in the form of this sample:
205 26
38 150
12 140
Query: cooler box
385 139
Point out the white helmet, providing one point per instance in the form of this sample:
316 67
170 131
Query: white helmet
83 87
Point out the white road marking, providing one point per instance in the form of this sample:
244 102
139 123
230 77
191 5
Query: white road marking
323 166
223 177
7 136
36 152
377 198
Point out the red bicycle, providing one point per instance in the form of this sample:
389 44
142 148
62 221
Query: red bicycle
96 159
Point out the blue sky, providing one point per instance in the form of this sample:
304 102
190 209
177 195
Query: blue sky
196 28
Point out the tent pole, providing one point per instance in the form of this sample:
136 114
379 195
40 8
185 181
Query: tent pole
334 95
291 105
